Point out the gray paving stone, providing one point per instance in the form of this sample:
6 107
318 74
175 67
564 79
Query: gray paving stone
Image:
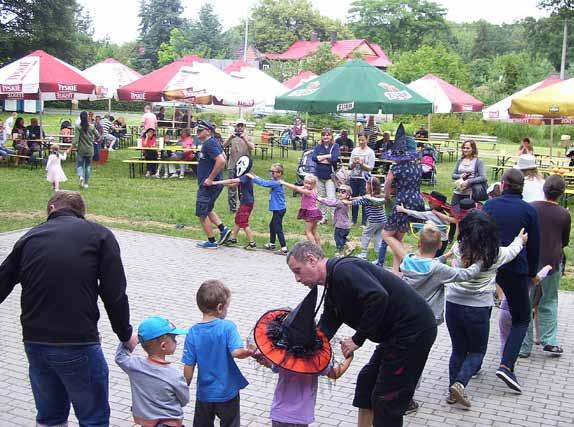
163 275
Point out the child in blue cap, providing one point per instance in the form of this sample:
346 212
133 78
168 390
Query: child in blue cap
159 390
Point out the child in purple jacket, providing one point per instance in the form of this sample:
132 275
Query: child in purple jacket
340 218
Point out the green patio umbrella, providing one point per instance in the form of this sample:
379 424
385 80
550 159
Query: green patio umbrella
355 87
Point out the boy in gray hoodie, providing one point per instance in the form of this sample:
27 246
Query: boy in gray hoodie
427 274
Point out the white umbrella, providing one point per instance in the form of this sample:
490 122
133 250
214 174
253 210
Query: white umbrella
109 75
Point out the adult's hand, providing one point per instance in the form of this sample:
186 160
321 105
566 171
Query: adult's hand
208 182
132 343
348 347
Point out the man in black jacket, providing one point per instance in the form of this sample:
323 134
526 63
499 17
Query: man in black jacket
63 265
511 214
380 307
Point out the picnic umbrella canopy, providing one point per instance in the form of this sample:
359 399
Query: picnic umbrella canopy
109 75
41 76
445 97
188 78
556 100
300 78
355 87
499 111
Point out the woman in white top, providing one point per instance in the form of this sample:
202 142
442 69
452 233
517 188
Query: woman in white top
469 303
533 182
361 164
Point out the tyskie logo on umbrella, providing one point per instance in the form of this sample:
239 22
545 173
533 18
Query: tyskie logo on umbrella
308 90
393 93
11 88
137 96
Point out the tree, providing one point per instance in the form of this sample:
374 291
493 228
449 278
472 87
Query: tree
203 37
544 36
278 23
399 25
562 8
322 60
437 60
157 19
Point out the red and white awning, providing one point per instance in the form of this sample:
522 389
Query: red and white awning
108 76
446 98
40 76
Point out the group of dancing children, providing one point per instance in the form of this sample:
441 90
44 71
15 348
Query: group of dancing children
160 390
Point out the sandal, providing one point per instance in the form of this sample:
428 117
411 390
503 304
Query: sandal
553 350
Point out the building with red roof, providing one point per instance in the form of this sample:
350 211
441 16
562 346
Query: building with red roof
371 52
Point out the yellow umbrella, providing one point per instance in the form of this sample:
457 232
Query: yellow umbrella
552 101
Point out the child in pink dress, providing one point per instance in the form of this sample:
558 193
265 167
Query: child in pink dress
55 173
308 211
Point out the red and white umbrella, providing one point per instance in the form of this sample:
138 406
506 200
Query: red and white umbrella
301 77
446 97
109 75
190 79
40 76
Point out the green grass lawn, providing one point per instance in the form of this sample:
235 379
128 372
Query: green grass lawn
157 205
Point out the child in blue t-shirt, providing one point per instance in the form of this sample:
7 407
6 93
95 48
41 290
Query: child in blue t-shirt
277 206
211 345
246 202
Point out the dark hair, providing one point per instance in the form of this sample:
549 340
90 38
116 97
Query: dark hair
210 294
478 239
527 142
513 180
84 124
19 123
554 187
363 134
375 184
472 146
68 200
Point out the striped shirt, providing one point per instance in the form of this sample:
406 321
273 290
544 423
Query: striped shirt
106 126
374 211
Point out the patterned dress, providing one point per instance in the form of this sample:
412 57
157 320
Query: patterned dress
407 183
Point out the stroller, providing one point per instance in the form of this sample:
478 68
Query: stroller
428 164
306 166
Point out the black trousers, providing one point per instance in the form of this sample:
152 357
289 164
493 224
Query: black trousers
276 228
227 412
151 155
387 383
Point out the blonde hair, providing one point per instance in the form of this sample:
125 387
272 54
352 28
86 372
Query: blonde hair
311 179
55 148
347 189
429 238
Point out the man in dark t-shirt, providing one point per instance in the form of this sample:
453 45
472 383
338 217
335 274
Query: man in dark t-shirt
209 169
554 222
382 308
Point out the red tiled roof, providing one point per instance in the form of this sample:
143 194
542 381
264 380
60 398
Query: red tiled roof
343 48
236 66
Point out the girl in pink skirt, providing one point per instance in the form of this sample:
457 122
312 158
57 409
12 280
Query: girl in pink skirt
55 174
308 211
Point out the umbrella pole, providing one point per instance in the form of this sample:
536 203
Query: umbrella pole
110 106
429 124
173 116
355 130
41 123
551 135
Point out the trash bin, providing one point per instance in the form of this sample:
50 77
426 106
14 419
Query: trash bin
103 156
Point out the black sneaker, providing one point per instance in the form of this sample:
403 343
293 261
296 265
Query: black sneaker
250 246
412 408
269 246
509 379
231 242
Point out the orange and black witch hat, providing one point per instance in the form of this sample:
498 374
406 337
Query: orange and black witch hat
291 340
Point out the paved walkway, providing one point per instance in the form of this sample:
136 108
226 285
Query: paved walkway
164 274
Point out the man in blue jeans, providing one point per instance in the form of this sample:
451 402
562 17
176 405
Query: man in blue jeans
511 214
64 265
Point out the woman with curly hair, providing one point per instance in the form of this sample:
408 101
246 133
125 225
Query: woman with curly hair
469 303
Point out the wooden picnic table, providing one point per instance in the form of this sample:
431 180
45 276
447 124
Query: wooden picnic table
165 148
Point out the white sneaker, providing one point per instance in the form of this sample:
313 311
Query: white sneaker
181 177
81 182
147 174
166 176
85 185
157 175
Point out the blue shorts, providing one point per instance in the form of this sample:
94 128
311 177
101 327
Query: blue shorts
206 197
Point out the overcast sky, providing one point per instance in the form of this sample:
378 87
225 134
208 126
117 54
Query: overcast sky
118 18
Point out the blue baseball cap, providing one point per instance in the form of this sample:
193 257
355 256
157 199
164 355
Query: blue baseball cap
156 326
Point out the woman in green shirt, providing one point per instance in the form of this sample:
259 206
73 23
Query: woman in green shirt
85 135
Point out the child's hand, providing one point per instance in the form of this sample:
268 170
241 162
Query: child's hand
448 254
251 175
523 235
400 208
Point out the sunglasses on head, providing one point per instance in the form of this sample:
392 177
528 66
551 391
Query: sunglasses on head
326 132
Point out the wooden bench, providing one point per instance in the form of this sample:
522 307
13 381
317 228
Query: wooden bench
137 161
33 162
479 139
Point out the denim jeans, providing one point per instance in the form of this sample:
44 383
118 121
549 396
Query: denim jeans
341 235
326 188
276 228
76 374
468 328
358 186
83 167
515 287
